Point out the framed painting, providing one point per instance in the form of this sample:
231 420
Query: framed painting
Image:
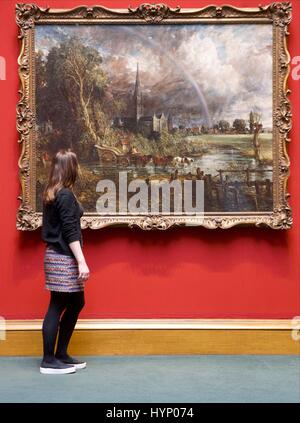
177 116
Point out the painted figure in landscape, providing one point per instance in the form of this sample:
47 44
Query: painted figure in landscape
160 102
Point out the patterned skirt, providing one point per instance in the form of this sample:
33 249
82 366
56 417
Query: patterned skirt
61 272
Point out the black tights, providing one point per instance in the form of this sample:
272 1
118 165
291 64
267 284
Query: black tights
72 303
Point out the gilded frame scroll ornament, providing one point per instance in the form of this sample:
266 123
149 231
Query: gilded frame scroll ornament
277 14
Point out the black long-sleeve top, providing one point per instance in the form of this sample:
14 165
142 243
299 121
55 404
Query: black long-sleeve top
61 222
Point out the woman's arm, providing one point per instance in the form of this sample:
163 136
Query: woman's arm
77 251
83 269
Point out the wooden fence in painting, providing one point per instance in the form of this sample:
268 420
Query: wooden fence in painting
225 188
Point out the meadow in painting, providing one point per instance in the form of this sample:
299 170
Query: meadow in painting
162 102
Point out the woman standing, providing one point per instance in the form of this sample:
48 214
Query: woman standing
64 264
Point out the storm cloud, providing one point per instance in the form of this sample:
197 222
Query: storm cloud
210 72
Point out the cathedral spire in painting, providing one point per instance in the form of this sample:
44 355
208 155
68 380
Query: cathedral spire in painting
137 97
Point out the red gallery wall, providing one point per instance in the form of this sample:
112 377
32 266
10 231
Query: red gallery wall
182 273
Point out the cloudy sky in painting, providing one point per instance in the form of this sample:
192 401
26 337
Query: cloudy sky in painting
208 72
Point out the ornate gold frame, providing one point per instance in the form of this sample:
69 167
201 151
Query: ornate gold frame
277 14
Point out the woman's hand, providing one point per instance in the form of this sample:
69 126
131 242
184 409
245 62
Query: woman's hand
83 270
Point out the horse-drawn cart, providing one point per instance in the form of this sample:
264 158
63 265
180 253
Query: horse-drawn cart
112 155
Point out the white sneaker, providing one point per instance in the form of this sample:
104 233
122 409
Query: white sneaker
73 362
56 367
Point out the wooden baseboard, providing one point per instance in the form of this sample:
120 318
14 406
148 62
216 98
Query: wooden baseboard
179 336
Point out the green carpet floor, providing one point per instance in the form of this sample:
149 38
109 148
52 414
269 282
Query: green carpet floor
159 378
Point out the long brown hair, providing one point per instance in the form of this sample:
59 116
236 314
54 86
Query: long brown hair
63 174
